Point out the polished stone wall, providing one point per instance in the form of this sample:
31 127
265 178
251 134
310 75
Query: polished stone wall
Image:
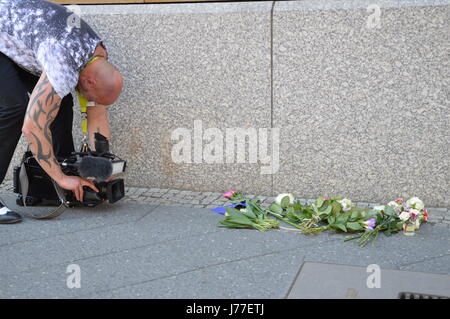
352 101
364 111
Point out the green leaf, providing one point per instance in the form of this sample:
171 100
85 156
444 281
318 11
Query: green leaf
232 211
297 205
336 207
354 226
331 220
290 210
326 211
277 209
341 227
372 213
354 215
389 210
342 218
249 213
297 217
314 208
285 201
319 202
237 222
226 225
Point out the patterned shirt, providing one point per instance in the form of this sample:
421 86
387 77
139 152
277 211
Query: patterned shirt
41 36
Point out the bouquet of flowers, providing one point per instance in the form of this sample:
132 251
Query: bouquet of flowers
411 211
326 213
395 216
249 215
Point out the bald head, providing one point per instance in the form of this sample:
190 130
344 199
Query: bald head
101 82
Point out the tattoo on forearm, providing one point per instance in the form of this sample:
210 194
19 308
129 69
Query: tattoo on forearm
39 103
49 120
40 156
40 90
50 97
37 114
35 99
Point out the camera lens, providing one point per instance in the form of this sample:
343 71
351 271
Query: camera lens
91 196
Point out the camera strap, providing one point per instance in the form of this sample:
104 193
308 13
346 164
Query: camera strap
83 105
24 185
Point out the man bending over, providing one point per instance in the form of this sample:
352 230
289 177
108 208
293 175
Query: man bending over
43 59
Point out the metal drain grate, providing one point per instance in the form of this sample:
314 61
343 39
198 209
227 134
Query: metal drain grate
415 295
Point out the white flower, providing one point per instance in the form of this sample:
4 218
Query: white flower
394 204
346 204
416 203
281 196
379 207
404 216
244 210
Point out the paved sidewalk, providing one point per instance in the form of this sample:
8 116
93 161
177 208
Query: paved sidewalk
143 250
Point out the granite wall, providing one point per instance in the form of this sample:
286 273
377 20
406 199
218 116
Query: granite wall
333 97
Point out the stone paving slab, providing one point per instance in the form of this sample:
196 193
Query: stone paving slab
343 281
83 219
439 264
245 278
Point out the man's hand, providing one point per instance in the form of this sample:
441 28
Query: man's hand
115 176
97 122
75 184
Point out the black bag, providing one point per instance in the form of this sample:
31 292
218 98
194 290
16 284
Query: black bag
34 186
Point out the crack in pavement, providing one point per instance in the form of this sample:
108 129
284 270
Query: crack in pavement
113 252
423 260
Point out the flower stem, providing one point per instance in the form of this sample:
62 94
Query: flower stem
285 220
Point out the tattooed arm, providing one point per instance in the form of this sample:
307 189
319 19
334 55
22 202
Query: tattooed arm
97 118
42 110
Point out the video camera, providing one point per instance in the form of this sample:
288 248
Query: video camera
99 164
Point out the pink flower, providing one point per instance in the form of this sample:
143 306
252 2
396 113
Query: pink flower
325 197
229 194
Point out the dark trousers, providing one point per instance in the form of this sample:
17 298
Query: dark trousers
15 84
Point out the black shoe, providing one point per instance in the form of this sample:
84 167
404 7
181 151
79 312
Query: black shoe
7 216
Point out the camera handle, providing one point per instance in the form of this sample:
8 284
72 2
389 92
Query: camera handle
24 184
